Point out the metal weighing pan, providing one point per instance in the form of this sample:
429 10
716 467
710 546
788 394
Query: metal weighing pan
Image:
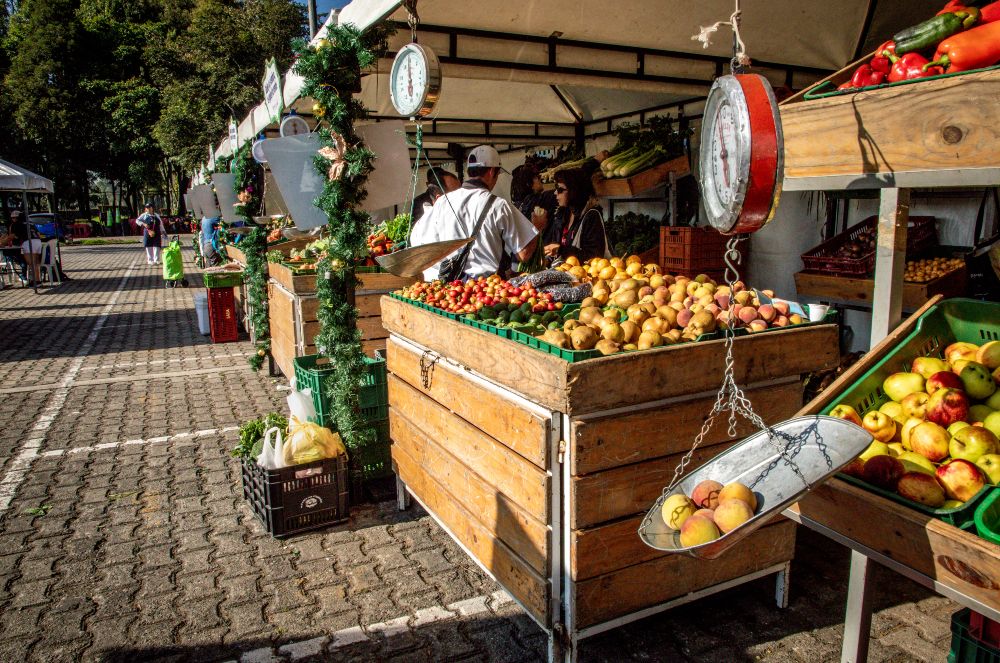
828 444
413 261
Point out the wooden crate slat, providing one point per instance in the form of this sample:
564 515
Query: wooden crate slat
514 476
954 557
517 577
659 580
639 377
843 288
626 491
641 434
536 375
384 282
505 520
371 329
523 431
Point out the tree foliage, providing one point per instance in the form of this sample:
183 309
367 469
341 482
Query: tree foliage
120 88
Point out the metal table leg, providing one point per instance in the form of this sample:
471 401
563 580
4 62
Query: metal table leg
858 620
402 497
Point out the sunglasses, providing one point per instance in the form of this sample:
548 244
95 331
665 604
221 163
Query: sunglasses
561 189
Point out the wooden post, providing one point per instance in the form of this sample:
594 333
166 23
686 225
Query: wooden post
890 259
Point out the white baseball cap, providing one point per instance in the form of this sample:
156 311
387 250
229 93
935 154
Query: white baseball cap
485 156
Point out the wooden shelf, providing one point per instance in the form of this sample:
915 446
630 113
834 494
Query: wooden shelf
855 289
640 182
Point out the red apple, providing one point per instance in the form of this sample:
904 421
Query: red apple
921 488
946 406
961 479
943 380
928 366
845 411
960 351
930 441
883 471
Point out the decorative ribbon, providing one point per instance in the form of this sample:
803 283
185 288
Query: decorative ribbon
336 154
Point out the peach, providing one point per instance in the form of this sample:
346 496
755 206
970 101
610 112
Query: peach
676 509
705 513
780 321
748 314
781 307
766 312
757 326
738 491
732 513
706 494
698 530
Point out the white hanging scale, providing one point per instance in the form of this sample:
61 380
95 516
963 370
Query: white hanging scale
741 173
415 77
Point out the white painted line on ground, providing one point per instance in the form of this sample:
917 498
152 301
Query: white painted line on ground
21 464
131 378
153 440
155 362
353 635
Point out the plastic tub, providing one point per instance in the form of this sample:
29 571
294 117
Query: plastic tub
201 309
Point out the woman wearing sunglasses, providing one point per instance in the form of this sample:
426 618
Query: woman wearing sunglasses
578 228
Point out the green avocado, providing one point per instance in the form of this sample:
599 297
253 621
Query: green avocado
517 316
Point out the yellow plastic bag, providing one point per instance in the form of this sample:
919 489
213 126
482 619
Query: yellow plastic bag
308 442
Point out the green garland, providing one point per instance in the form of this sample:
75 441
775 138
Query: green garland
248 189
332 72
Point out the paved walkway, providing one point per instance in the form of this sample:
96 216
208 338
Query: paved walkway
124 535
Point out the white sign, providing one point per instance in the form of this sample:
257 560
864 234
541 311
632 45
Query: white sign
274 100
234 136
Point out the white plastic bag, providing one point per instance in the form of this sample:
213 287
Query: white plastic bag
272 455
300 405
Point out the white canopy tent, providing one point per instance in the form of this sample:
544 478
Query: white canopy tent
544 72
15 178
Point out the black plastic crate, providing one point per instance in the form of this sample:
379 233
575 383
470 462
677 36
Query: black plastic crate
298 498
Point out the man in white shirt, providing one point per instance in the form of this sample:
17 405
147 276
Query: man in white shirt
455 214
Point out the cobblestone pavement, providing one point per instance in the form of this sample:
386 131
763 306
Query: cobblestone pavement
124 535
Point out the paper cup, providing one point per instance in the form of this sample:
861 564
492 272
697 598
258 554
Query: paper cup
817 312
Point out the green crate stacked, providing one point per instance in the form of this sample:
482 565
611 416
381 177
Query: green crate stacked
374 460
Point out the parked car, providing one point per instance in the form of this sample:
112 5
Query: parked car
48 226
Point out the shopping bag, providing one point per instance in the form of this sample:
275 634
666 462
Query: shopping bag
173 263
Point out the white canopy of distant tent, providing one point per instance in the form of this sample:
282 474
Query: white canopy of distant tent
15 178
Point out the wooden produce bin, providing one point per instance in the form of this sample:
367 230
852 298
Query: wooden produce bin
953 562
828 287
293 306
641 181
542 470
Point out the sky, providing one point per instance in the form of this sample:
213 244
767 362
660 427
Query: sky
324 6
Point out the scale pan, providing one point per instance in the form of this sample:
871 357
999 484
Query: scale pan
829 444
411 263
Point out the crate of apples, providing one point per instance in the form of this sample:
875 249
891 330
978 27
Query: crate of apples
928 269
474 294
710 511
937 438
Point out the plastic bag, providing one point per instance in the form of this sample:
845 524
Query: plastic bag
308 442
272 455
173 263
300 405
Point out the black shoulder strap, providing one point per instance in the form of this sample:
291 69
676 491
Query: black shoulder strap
464 255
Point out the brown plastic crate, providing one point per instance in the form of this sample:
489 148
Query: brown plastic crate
693 251
920 235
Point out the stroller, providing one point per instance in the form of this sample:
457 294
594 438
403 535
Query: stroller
173 264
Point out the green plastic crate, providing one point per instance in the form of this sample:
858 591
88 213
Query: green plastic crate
988 517
373 396
375 460
222 279
964 647
962 517
951 320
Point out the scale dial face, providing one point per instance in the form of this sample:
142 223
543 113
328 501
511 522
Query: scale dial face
415 81
741 154
293 125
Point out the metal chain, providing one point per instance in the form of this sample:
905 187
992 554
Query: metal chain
412 18
427 361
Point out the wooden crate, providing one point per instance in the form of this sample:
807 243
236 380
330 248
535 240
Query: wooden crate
236 254
856 289
476 444
928 133
640 182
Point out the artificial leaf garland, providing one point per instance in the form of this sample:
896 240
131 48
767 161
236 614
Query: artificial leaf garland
331 71
248 191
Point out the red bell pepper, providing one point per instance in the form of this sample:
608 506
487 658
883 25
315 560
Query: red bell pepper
972 49
990 13
887 49
881 64
865 77
911 66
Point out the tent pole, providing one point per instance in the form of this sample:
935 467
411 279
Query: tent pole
312 18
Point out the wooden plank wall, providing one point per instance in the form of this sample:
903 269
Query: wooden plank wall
491 492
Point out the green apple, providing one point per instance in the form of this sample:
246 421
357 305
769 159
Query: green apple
992 423
979 413
957 426
993 402
914 462
990 464
971 442
979 384
876 448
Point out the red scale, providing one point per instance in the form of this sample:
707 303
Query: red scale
742 151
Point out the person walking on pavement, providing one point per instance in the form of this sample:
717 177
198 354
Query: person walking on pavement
153 233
